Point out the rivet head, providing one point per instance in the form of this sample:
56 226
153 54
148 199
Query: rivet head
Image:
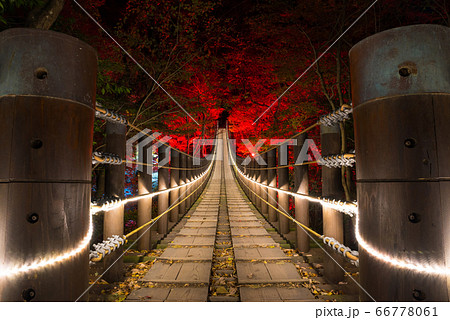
28 294
33 218
414 217
41 73
418 295
36 143
410 143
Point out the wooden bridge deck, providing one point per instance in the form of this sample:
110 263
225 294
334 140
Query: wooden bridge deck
184 271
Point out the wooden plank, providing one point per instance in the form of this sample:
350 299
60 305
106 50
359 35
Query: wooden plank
187 254
274 294
179 272
247 218
253 241
195 272
283 272
269 294
249 232
202 219
205 214
193 241
270 272
188 294
197 232
149 295
295 294
259 254
200 224
249 272
246 224
162 271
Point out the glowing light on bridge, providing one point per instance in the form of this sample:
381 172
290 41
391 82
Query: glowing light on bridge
347 208
45 262
399 263
110 205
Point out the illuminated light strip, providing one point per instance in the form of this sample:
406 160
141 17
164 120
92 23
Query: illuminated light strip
12 271
106 247
347 208
118 203
402 264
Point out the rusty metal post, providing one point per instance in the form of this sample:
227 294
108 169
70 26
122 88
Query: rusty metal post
264 191
401 99
47 98
182 184
301 185
272 182
174 182
163 198
145 205
333 220
283 198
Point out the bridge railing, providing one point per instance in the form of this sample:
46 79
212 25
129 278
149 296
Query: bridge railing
180 183
268 187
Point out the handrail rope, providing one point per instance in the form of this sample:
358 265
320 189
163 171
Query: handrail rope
343 113
106 158
109 115
333 243
342 206
107 246
110 205
333 161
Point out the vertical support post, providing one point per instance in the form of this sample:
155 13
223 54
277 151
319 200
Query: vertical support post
272 182
182 183
174 182
47 99
264 191
283 198
333 221
189 179
301 205
401 115
113 223
145 205
258 188
163 198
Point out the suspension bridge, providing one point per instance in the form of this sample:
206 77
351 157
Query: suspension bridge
227 228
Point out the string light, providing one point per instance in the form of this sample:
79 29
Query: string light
12 271
345 207
402 264
110 205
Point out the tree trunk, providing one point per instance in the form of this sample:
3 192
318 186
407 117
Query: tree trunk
43 17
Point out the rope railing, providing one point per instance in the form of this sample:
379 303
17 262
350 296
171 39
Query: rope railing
115 203
348 253
111 244
333 161
111 159
343 113
345 207
108 115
